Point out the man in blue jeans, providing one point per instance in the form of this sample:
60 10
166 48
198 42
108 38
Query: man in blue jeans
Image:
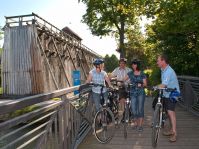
169 80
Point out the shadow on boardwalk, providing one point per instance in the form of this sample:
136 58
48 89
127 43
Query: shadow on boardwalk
187 127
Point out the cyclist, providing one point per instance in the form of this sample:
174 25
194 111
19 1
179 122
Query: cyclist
120 73
98 76
138 79
169 80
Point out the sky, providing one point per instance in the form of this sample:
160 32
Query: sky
60 13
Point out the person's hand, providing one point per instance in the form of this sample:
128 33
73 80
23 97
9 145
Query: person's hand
139 85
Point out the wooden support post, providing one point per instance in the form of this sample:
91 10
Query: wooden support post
61 62
55 82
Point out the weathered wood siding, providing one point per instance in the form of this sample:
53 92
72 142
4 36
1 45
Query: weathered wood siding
21 62
37 60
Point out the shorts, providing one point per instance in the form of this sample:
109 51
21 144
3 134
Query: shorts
122 93
169 104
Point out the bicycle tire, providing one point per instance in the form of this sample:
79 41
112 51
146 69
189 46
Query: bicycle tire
104 125
156 125
126 120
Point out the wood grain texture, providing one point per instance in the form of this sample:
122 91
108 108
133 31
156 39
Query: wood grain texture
187 127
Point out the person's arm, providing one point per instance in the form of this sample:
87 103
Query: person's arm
113 74
144 83
89 78
126 78
108 81
161 86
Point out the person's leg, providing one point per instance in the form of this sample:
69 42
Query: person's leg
172 117
106 97
96 100
134 109
170 106
141 100
122 96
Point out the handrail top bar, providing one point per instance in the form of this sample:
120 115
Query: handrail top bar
19 16
188 77
31 100
37 16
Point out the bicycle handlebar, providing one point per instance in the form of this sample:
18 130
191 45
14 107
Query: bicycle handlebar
95 84
154 88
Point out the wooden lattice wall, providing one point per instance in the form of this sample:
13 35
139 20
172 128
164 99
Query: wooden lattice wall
38 57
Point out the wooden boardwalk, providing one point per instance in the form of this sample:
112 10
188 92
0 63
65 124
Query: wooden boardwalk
187 127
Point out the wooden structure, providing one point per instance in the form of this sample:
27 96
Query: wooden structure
187 113
57 125
38 57
187 127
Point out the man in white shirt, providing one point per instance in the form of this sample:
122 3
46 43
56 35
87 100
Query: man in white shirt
120 73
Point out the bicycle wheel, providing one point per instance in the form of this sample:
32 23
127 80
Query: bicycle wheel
126 120
104 125
156 125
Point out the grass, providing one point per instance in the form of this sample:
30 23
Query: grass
1 90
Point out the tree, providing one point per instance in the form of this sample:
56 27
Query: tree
175 32
111 62
105 17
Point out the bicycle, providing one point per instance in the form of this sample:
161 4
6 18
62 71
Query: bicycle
159 116
127 110
113 96
104 121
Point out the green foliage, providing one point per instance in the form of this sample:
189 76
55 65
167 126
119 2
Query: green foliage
135 46
175 32
23 111
1 90
111 62
111 17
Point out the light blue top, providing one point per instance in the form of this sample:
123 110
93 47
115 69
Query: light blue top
169 78
98 78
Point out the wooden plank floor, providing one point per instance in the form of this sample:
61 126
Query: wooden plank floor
187 127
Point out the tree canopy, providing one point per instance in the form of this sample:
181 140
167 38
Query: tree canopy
111 62
115 17
174 30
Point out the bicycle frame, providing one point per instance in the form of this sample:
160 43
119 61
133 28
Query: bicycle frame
158 115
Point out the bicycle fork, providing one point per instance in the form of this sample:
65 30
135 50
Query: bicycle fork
160 120
127 103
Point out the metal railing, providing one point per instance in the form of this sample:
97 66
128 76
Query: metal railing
190 93
57 125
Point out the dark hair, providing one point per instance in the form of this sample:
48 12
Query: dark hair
123 60
137 62
164 57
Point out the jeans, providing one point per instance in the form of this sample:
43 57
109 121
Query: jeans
96 99
137 106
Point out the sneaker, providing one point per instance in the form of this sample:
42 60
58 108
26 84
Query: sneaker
140 129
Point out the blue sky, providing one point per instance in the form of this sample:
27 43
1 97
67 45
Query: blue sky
60 13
